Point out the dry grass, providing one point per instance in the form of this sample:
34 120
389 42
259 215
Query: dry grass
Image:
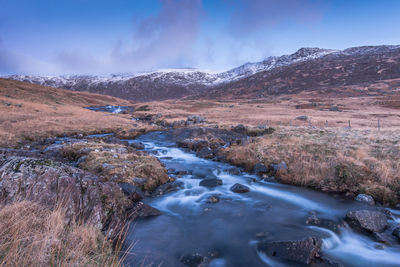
30 112
363 112
31 235
333 160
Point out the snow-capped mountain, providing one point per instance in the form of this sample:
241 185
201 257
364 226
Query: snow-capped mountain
176 83
184 77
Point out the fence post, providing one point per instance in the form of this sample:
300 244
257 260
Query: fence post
349 124
379 124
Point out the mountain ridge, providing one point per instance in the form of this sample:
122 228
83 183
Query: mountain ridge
172 84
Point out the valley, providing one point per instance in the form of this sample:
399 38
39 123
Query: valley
279 166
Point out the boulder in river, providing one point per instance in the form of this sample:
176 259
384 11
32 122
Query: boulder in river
303 251
239 188
206 153
396 232
142 210
213 199
384 238
193 259
366 199
260 169
213 182
137 145
367 220
234 171
167 188
313 219
199 145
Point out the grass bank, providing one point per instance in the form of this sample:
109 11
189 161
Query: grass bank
331 160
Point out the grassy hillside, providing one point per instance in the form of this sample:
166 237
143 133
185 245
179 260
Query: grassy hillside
29 112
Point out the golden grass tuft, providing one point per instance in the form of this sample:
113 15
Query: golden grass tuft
32 235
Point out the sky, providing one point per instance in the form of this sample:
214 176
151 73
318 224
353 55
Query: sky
101 37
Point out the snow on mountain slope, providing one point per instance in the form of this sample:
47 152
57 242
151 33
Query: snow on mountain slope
183 77
180 82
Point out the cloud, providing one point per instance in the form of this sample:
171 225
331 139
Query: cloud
12 62
249 16
79 62
164 39
172 38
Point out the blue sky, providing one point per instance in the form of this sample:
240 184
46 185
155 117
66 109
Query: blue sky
121 36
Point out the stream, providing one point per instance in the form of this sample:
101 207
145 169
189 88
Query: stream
227 232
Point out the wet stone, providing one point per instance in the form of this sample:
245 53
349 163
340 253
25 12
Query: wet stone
213 199
303 251
396 232
192 260
239 188
260 169
211 182
367 220
365 198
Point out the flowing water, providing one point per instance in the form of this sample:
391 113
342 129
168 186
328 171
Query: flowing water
230 229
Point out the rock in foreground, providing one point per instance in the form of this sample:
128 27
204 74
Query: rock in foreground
303 251
83 195
367 220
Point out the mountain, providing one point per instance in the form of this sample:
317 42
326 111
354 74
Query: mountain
369 70
307 69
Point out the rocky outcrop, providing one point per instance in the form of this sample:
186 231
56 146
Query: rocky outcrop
118 163
367 220
132 192
304 251
84 196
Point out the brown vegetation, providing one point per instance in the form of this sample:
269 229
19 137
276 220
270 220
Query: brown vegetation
362 112
331 160
30 112
32 235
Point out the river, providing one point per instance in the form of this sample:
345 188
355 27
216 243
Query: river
228 231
